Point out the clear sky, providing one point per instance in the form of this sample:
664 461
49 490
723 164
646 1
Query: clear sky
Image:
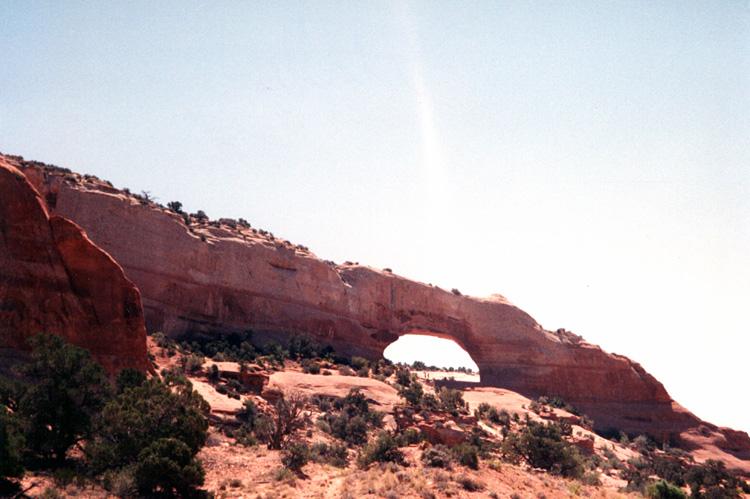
590 161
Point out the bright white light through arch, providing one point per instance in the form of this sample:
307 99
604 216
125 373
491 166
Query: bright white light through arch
431 350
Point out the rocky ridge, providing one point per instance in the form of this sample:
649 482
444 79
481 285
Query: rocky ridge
199 277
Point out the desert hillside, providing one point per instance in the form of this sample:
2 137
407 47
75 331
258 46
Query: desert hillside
266 375
421 463
201 277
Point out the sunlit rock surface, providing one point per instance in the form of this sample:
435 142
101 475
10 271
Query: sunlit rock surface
212 278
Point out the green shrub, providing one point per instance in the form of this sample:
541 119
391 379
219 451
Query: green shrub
412 394
437 456
664 490
295 456
50 493
175 206
451 400
138 417
248 413
591 478
466 454
121 482
66 389
411 436
193 363
470 484
383 449
10 446
713 481
314 368
335 455
352 430
301 346
542 446
359 363
167 465
490 413
403 377
64 476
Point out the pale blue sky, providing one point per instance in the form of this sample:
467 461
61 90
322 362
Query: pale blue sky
589 161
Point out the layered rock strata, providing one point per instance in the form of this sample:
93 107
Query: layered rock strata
212 278
54 280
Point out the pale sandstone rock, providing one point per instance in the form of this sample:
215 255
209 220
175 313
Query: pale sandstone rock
212 280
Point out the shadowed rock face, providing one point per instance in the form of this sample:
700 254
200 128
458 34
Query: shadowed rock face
211 279
53 279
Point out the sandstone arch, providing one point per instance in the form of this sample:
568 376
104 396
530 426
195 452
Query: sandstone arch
210 279
430 349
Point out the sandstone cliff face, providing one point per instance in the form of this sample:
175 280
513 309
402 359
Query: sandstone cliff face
211 279
53 279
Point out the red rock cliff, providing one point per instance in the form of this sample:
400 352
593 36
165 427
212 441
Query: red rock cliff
53 279
211 278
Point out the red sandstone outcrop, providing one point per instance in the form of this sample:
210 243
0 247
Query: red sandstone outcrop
211 278
53 279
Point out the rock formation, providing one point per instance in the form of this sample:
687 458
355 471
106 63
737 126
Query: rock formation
53 279
205 278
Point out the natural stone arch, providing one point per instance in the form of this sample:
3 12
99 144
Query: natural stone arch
438 346
212 280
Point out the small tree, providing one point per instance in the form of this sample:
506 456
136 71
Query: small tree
168 465
542 446
67 388
451 400
175 206
301 346
10 459
140 416
383 449
129 378
287 417
412 394
295 456
403 377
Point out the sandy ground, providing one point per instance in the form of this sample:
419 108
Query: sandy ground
233 470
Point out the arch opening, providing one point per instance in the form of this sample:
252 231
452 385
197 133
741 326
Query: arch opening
434 352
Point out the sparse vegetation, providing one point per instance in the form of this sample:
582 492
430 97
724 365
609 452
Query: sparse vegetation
169 466
141 432
383 449
437 456
129 453
64 390
287 417
542 446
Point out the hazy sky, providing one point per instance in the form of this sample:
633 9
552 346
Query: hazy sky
587 160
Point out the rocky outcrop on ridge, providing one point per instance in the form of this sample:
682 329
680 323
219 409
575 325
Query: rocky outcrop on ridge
53 279
206 278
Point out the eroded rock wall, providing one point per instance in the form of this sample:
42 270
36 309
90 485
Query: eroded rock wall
54 280
210 278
